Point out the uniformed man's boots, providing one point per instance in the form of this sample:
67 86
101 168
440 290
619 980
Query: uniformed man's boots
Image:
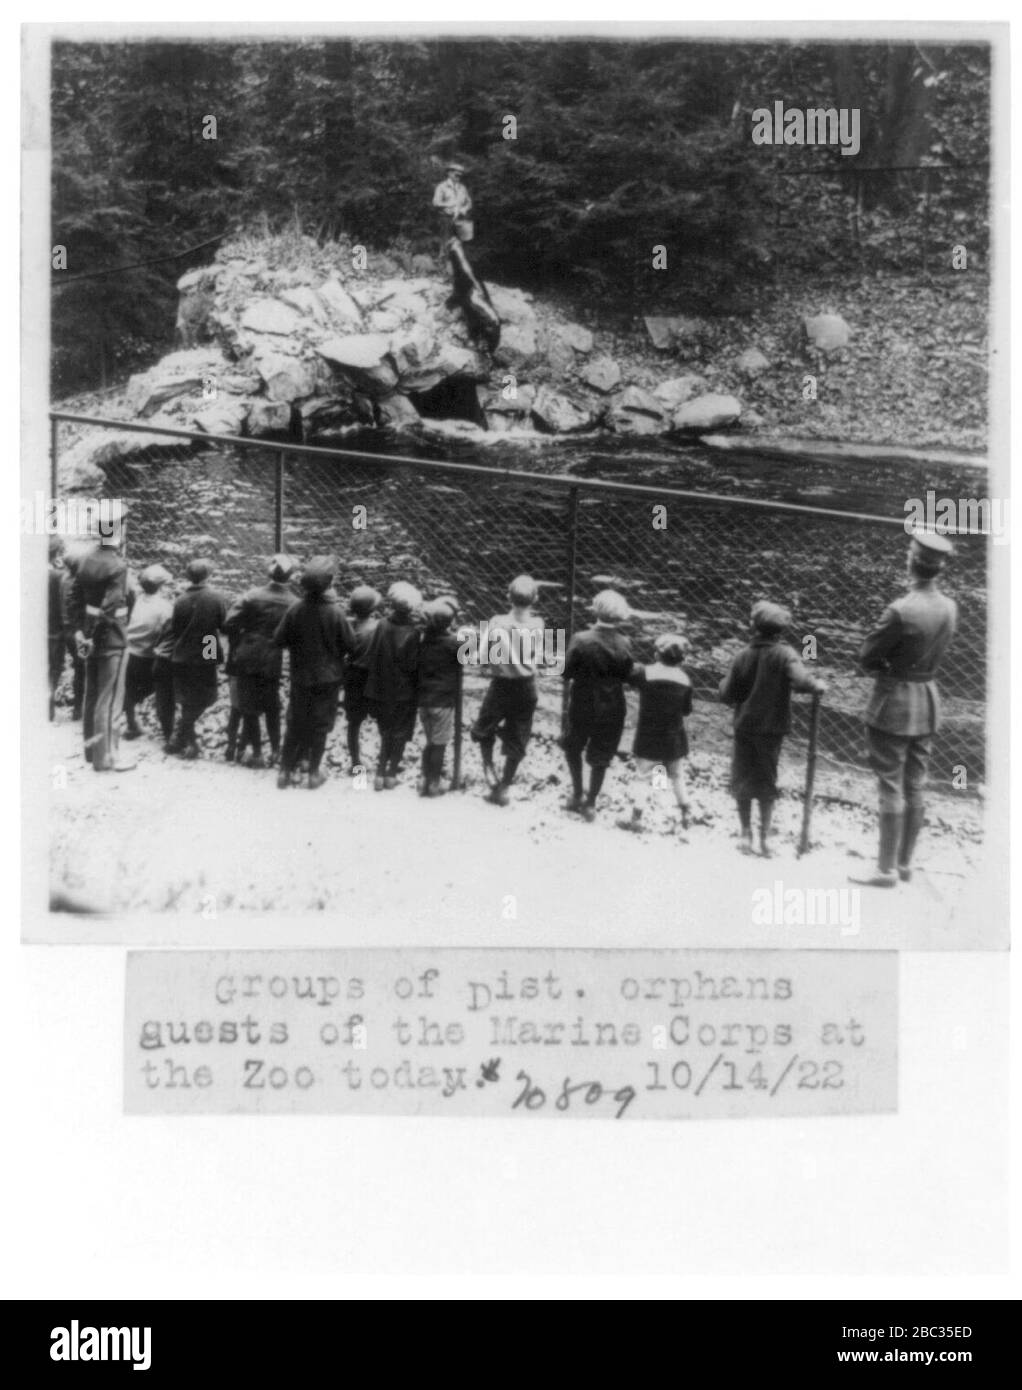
886 875
915 818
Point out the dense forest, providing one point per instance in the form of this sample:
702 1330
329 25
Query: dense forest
618 147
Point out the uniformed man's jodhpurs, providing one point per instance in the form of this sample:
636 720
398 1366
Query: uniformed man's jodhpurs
900 762
104 699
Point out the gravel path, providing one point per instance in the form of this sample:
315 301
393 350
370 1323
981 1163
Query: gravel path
186 852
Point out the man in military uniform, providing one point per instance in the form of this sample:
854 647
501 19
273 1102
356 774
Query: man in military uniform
98 608
903 713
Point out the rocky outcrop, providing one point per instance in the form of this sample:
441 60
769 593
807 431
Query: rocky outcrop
302 341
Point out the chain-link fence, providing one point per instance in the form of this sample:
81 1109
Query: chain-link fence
684 560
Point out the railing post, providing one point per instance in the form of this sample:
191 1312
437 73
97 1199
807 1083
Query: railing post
54 427
570 584
807 798
458 729
278 505
572 557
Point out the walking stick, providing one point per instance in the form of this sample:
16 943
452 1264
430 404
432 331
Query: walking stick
807 804
456 770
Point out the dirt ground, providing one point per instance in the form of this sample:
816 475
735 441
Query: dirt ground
183 851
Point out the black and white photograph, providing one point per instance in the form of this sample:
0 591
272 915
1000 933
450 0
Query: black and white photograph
494 478
519 511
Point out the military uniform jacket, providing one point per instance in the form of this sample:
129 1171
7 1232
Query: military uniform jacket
251 624
100 600
199 614
905 653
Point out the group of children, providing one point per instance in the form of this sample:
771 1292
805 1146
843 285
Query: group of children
397 659
758 686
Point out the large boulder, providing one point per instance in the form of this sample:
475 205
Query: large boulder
826 332
636 411
397 412
82 467
402 304
677 390
556 413
412 349
327 414
340 308
709 412
271 316
512 306
500 403
562 346
579 339
446 360
361 351
286 377
180 374
602 374
226 415
518 346
267 417
306 301
362 358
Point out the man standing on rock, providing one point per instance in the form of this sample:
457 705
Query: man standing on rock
451 197
98 606
903 713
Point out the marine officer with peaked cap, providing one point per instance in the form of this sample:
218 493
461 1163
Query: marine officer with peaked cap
904 653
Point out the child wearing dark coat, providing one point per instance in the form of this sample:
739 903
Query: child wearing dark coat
362 606
758 686
439 672
665 700
318 638
392 663
598 662
256 662
197 624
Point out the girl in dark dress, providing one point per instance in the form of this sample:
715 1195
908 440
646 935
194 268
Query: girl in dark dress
665 699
